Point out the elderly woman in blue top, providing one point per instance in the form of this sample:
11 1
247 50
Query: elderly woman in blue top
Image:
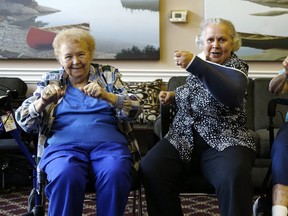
210 122
76 110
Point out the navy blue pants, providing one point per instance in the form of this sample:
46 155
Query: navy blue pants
68 167
229 171
279 154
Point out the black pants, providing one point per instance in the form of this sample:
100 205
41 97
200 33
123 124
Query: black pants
279 156
228 171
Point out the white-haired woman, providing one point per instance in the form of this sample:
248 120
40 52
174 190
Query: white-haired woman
75 109
210 122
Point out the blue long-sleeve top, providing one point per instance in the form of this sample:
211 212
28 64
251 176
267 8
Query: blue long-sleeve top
227 84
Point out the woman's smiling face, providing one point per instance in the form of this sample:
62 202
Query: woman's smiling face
217 43
75 58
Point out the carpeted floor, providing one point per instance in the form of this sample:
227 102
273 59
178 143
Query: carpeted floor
15 204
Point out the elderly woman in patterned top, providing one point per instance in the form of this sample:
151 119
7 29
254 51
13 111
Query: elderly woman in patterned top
77 110
210 122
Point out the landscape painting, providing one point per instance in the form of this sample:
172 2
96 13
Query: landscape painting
261 24
123 29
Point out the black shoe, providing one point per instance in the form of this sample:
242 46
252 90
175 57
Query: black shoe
262 206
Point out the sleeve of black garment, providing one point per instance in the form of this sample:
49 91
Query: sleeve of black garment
227 85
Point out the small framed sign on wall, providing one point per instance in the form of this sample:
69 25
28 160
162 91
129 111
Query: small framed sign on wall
262 26
123 29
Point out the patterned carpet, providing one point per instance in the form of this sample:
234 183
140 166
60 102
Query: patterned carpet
15 204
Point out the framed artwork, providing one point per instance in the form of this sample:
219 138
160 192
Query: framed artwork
262 26
123 29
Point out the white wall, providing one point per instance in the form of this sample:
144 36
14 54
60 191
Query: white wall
172 37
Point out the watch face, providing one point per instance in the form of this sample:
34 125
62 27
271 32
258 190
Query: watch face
177 15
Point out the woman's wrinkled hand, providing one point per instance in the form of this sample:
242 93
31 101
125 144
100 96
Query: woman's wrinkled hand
51 94
166 97
183 58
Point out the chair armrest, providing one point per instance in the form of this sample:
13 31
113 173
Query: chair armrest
167 114
272 113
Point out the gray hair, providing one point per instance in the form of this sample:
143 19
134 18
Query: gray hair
234 35
74 35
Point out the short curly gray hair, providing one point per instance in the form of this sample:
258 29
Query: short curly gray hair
74 35
234 35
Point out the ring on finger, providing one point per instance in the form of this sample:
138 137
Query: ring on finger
48 93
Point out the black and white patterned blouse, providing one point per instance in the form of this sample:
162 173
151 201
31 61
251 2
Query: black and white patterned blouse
212 101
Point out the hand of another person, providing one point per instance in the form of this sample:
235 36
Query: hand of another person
51 94
285 64
166 97
183 58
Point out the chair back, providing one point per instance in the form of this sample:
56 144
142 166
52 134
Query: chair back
161 125
14 84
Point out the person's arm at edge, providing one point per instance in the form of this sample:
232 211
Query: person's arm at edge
279 84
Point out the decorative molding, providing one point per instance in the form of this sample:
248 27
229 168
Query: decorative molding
32 75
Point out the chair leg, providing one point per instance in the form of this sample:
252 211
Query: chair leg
139 202
134 202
